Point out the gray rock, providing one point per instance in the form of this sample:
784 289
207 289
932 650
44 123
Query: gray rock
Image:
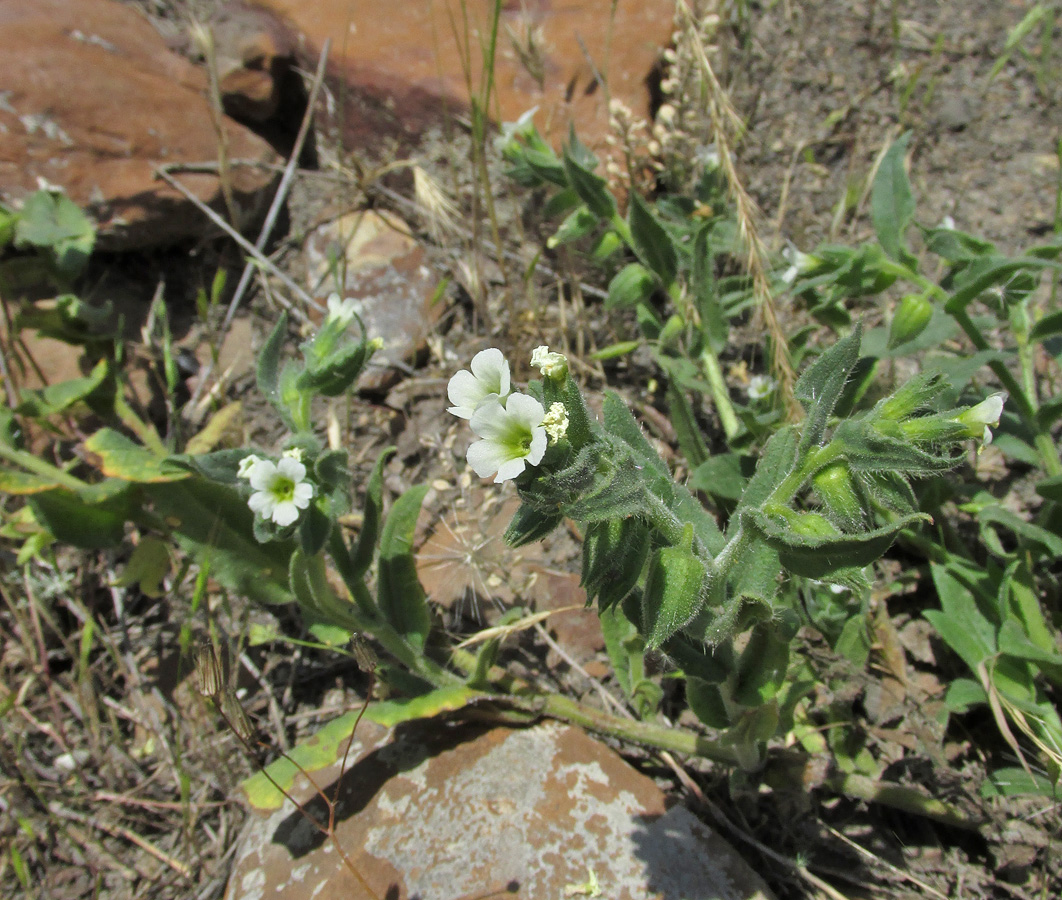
439 811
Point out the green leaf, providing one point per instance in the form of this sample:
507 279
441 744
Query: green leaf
334 375
620 348
964 694
148 565
721 476
1015 781
706 702
75 519
268 369
119 457
631 285
762 666
317 599
22 483
818 553
821 385
212 522
688 432
706 293
327 746
400 597
372 515
651 242
56 398
592 189
54 222
891 202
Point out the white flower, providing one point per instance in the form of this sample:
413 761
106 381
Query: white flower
522 127
281 490
513 437
556 421
246 464
760 386
342 311
294 453
799 264
947 222
981 419
488 380
552 365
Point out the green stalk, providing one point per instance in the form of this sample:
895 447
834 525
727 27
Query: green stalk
37 466
720 394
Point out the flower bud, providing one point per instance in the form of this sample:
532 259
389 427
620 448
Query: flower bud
910 320
839 494
552 365
977 419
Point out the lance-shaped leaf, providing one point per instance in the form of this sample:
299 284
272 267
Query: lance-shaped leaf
399 595
212 522
821 385
891 202
119 457
577 224
810 546
333 375
762 666
91 519
651 241
592 189
268 369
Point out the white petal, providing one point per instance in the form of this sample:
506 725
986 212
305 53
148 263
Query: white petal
492 369
525 410
491 420
292 468
262 503
466 392
261 474
285 513
538 446
302 495
511 469
486 457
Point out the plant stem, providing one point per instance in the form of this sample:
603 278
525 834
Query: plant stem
714 373
38 466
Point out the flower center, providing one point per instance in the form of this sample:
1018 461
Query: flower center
283 489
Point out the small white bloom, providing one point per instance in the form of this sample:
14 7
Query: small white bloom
341 311
799 264
513 437
760 387
488 380
281 490
552 365
294 453
947 222
707 157
981 419
510 130
556 421
246 464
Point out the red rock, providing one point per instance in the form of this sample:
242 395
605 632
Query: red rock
403 65
93 102
441 811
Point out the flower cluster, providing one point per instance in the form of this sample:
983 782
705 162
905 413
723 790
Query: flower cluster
281 490
512 427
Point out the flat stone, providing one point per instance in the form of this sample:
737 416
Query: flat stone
382 266
403 64
443 811
93 101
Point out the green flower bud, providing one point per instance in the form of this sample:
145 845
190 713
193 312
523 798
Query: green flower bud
910 320
839 494
810 524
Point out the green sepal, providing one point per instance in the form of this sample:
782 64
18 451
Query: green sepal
762 666
400 597
334 375
675 590
630 286
531 524
577 224
614 554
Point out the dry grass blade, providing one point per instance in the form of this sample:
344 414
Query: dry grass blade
726 126
502 631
